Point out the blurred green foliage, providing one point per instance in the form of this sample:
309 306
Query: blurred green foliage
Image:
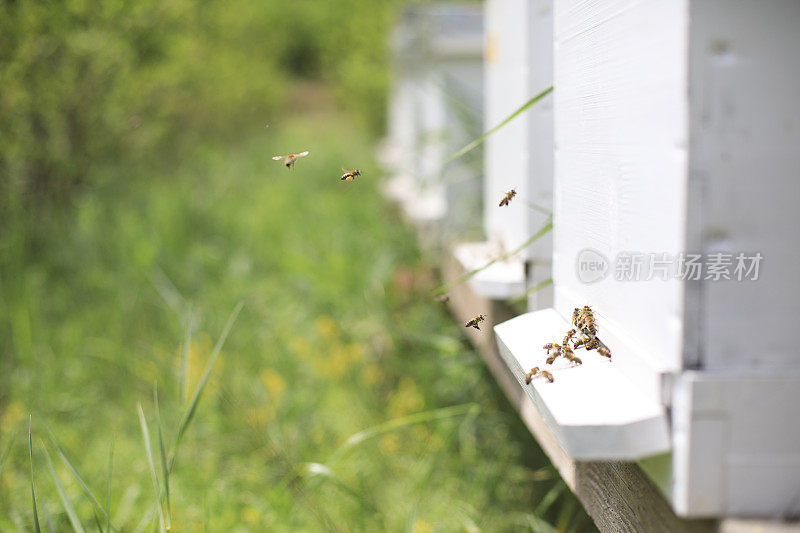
338 334
83 82
147 119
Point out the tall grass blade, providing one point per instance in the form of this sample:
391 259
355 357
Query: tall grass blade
549 499
167 290
548 226
536 207
6 451
36 527
539 286
149 450
397 423
317 470
163 453
71 514
108 487
187 340
78 477
48 518
508 119
190 410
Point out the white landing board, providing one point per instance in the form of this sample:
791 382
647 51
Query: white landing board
502 280
593 410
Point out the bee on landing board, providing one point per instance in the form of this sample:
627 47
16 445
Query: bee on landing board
475 321
289 159
508 197
570 334
350 175
531 374
604 351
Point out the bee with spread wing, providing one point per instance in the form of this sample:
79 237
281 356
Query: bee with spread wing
289 159
350 175
508 197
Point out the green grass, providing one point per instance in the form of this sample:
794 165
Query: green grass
342 397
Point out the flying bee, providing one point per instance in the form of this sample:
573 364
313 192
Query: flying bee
546 375
350 175
604 351
443 299
530 375
508 197
290 158
475 321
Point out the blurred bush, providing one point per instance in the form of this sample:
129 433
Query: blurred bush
83 81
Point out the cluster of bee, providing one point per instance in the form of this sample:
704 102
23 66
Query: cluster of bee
584 320
291 158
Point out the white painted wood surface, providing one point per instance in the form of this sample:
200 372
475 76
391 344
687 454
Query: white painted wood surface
620 160
507 154
594 411
540 126
744 82
676 131
737 444
435 47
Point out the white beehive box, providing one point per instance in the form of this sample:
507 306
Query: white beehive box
677 130
437 48
518 61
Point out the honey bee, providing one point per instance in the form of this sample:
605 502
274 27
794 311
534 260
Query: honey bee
475 321
574 359
508 197
552 359
530 375
568 337
551 346
592 344
580 342
350 175
604 351
587 324
567 352
546 375
575 314
290 158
